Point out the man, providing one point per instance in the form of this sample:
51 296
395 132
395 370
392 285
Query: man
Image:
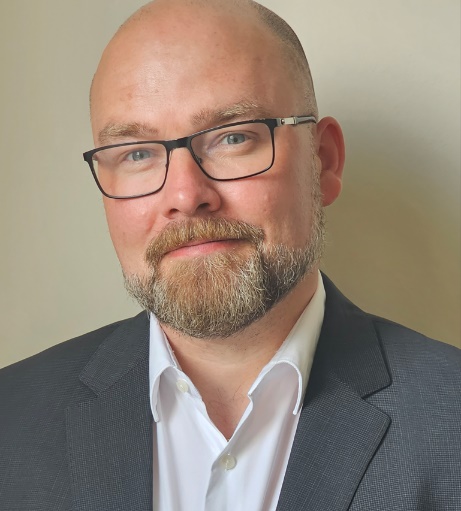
252 384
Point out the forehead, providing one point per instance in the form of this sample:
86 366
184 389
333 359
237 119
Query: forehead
164 68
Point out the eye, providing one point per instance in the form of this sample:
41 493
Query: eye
138 155
234 138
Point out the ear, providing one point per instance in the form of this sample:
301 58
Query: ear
331 153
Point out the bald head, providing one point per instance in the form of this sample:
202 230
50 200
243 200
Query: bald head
164 16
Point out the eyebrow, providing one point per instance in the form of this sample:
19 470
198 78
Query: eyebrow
135 130
206 118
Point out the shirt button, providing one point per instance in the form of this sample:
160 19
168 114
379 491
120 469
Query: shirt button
182 386
228 462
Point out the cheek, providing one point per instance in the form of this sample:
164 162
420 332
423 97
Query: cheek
130 226
286 202
277 202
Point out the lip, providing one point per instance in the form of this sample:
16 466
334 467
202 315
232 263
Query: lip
203 247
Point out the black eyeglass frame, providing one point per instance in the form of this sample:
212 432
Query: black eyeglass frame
186 142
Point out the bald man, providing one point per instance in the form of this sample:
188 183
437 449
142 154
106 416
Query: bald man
251 383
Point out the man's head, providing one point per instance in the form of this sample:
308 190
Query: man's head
229 250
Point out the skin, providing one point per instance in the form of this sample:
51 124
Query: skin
164 72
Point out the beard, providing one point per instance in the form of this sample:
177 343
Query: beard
217 295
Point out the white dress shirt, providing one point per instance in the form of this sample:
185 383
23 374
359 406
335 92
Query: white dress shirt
195 468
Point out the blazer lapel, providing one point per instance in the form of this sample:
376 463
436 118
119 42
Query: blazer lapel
338 431
110 436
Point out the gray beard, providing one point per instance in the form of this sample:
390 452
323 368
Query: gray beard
217 295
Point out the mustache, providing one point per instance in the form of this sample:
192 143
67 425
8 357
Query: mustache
180 233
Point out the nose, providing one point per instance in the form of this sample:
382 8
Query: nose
187 191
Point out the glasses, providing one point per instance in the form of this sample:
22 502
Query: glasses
225 153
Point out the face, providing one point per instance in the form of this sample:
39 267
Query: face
182 81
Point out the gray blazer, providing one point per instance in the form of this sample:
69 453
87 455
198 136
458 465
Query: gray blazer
380 429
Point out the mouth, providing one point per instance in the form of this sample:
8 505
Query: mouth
201 237
203 247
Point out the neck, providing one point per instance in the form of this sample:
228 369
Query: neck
223 370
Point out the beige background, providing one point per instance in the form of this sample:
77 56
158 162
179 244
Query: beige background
389 71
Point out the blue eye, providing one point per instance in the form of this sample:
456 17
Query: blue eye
234 138
139 155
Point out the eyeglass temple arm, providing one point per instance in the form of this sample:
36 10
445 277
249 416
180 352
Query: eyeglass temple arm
284 121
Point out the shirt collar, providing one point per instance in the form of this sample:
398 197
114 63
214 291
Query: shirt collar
297 350
161 357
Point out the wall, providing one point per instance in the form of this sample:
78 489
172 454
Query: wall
389 71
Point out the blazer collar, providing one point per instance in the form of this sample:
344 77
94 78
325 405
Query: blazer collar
338 431
109 437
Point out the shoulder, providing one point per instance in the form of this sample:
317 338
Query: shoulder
424 396
363 342
53 372
417 355
34 396
423 402
63 355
